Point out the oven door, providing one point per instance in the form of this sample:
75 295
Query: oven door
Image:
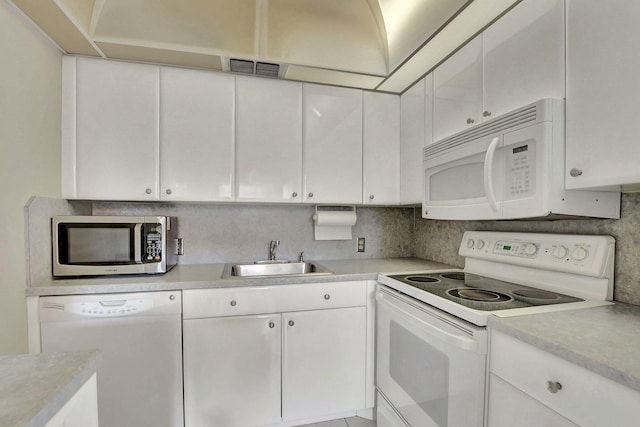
430 366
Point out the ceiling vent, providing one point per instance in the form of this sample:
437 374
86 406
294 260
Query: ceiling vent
264 69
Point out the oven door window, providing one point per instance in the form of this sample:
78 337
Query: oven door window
431 371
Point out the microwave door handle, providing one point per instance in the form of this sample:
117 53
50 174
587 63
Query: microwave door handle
488 173
137 243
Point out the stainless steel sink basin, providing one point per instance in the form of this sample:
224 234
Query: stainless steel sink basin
270 269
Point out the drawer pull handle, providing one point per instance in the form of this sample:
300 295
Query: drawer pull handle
327 296
554 386
233 303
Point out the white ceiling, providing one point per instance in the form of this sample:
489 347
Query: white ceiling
359 43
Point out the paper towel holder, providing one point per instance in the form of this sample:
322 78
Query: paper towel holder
334 222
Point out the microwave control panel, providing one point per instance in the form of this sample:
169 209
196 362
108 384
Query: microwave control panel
153 241
521 166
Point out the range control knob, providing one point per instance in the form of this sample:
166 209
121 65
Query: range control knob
579 253
480 244
530 249
470 243
559 252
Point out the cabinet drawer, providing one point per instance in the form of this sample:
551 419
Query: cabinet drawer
585 397
200 303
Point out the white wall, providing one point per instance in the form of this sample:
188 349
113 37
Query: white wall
30 99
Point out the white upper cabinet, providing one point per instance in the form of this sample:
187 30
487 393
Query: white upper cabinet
524 57
196 135
602 95
416 110
332 144
381 149
516 61
457 89
110 130
268 140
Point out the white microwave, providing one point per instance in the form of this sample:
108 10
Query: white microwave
509 167
108 245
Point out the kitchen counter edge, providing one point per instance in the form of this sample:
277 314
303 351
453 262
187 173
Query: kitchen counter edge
205 276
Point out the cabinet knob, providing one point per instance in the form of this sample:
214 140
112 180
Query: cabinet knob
148 191
575 172
168 191
470 120
486 113
554 386
294 194
310 194
371 197
172 297
327 296
272 325
233 303
291 323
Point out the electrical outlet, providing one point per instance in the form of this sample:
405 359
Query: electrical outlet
180 246
360 244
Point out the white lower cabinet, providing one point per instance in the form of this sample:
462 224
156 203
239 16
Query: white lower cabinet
270 355
530 387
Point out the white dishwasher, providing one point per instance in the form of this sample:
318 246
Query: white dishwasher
140 338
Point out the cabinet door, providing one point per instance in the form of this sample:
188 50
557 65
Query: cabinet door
196 135
269 140
524 57
457 88
510 407
602 94
323 362
381 149
332 153
116 144
232 371
416 109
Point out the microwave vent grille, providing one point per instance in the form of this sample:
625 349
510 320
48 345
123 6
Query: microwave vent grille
496 126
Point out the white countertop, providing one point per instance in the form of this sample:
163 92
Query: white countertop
198 276
33 388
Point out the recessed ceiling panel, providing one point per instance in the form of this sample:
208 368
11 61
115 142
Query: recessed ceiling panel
203 26
334 34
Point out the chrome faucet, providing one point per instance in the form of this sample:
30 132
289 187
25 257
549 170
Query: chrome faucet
273 248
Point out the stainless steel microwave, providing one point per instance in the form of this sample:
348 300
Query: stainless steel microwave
106 245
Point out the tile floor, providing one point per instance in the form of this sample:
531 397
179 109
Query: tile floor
346 422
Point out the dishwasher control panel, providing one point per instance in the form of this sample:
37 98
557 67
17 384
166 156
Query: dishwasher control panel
110 308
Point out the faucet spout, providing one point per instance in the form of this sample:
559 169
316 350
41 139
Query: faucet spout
273 249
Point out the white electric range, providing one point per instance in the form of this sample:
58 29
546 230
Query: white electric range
431 335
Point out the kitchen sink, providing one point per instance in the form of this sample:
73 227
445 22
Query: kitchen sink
273 268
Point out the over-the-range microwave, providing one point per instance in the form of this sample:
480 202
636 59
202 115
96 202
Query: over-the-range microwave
509 167
106 245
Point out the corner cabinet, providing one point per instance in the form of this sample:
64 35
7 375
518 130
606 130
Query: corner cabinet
144 133
268 140
416 123
381 149
518 60
544 390
332 147
271 355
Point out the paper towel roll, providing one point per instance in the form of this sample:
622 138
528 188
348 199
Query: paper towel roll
333 218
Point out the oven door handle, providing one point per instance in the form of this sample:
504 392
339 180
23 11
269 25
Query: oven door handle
488 173
460 341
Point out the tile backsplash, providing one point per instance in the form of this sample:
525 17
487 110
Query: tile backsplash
230 232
